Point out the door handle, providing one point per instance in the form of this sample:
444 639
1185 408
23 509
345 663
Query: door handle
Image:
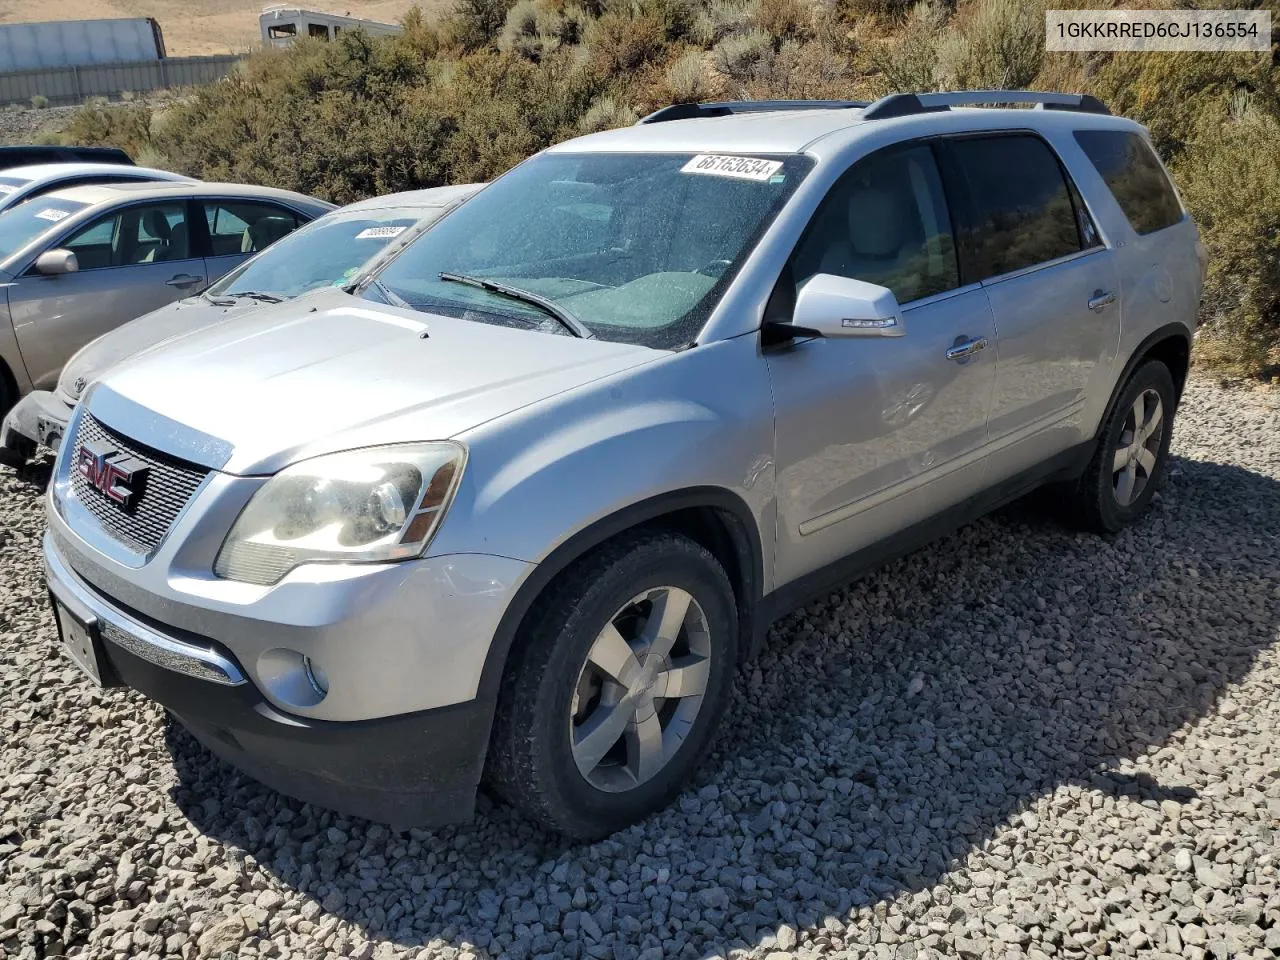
183 280
968 348
1101 300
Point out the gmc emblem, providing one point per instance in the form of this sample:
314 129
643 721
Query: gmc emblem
116 475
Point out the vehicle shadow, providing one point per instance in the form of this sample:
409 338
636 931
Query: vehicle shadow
953 691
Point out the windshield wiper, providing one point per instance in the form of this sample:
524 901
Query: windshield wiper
258 295
393 298
548 306
217 301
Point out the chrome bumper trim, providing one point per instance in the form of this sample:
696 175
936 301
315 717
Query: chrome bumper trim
124 631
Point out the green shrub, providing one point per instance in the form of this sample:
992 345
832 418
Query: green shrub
1237 205
719 19
1000 47
784 20
606 114
739 56
477 23
687 79
39 101
620 43
910 61
127 126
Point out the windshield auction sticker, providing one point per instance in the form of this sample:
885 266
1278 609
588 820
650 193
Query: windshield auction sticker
740 168
53 214
379 233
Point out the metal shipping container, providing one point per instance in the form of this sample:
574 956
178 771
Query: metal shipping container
79 43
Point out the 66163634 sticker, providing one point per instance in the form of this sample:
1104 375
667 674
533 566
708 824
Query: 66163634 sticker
739 168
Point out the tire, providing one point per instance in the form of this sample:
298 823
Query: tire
1106 500
554 692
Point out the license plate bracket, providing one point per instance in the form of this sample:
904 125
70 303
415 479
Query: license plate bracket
80 641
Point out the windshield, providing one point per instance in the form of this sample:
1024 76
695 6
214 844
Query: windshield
638 247
329 251
21 225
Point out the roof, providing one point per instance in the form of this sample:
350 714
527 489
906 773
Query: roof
41 171
414 199
108 192
819 131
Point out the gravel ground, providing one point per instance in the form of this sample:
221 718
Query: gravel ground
1023 742
20 125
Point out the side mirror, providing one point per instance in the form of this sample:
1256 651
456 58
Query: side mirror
51 263
831 306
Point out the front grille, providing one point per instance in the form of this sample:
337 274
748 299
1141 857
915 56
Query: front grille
169 485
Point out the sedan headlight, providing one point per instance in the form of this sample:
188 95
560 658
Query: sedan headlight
375 504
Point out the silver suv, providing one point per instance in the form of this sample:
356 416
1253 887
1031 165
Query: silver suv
515 508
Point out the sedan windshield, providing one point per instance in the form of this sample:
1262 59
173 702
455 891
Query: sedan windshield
21 225
637 247
328 252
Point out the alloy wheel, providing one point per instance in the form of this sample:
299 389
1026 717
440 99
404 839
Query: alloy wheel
640 689
1138 450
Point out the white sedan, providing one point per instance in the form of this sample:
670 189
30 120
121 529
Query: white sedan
20 184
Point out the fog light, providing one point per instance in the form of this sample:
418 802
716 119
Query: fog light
292 679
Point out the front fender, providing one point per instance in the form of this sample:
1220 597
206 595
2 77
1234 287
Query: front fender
699 419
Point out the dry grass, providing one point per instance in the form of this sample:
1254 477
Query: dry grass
193 27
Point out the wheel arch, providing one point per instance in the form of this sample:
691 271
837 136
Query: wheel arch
1171 345
713 517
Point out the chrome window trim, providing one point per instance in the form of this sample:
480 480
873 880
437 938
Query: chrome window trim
1045 265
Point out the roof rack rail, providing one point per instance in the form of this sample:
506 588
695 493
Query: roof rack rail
907 104
690 111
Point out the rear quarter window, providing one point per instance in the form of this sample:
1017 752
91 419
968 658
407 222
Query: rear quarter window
1134 176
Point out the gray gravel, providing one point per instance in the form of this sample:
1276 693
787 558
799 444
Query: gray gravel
24 125
1021 742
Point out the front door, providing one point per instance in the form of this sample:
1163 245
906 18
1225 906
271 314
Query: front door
132 261
877 433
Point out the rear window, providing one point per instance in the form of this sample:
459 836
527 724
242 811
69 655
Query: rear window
1022 209
1134 176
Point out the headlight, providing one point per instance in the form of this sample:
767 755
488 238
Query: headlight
375 504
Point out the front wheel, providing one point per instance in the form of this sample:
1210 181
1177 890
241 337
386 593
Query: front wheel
616 686
1133 445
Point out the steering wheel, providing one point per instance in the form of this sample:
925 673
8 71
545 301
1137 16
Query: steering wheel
715 269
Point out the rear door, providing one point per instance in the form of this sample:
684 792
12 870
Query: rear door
237 229
1053 288
132 261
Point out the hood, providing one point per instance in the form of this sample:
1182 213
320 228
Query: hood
333 372
150 330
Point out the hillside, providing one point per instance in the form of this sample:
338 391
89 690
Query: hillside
194 27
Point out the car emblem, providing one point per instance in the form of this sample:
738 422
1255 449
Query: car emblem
78 385
118 476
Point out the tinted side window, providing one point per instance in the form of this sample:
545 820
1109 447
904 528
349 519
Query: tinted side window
885 222
1022 212
1134 176
238 226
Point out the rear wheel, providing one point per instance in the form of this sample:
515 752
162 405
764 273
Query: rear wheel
616 686
1121 479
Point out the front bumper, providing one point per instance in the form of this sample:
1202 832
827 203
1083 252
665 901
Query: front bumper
418 769
39 418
